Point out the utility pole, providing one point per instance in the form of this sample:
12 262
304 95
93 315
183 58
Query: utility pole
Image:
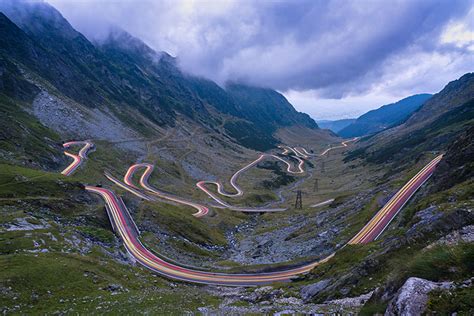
316 185
322 166
299 201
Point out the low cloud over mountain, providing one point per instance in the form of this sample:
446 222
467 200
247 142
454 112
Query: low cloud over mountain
320 45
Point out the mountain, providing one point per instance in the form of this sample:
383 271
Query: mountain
455 94
458 158
124 77
434 126
267 107
336 125
384 117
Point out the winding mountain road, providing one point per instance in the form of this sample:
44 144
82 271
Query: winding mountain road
121 221
239 192
302 152
201 209
128 179
298 151
126 229
130 187
77 159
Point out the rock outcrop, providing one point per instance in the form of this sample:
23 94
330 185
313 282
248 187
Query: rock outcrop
412 297
311 290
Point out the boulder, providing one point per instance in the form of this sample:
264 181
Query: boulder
412 297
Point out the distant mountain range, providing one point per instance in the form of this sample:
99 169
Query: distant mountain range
386 116
335 125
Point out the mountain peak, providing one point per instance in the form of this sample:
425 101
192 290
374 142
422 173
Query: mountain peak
38 18
121 39
268 106
122 73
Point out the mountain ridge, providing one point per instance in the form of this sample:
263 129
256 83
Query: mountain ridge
385 116
432 127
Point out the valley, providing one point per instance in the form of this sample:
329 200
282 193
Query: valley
125 226
129 185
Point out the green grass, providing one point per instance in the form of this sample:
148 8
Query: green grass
104 157
345 259
96 233
34 189
187 247
48 283
280 179
267 228
459 301
18 241
228 263
439 263
253 199
462 193
178 221
20 182
373 308
181 246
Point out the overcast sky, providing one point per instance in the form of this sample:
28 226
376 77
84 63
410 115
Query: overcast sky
332 59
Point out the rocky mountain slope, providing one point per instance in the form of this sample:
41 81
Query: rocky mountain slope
455 94
384 117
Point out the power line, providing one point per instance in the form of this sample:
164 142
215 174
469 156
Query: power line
316 185
299 200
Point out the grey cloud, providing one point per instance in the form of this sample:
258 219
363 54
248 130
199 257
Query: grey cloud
333 46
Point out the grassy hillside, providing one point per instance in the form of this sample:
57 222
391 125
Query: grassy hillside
437 135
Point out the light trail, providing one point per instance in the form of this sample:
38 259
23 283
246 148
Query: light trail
126 229
382 219
77 159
